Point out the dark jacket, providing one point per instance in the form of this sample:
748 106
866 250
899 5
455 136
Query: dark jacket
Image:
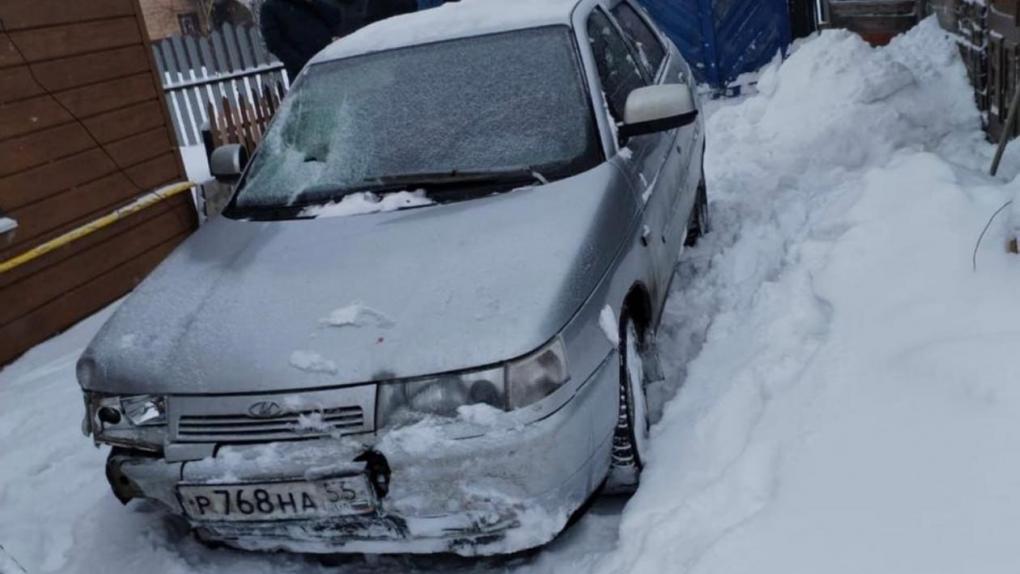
296 30
382 9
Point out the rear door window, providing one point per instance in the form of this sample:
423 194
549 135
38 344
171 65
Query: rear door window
646 41
618 70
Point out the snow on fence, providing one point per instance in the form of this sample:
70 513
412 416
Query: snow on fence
200 72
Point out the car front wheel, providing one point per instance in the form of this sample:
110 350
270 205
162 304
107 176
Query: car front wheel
630 440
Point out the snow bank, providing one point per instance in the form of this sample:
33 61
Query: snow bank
853 404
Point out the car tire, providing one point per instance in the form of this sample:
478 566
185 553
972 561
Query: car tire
630 439
701 221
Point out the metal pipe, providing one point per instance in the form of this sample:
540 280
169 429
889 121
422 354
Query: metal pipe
821 14
1007 130
97 225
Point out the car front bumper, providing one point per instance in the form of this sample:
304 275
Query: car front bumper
499 492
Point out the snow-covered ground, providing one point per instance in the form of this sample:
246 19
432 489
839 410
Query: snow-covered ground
847 393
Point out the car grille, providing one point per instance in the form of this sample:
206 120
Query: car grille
272 417
241 428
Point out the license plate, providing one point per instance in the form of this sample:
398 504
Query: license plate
346 496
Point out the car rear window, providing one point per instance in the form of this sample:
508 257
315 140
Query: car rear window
647 42
507 100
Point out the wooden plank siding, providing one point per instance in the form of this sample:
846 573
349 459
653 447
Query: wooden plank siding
84 130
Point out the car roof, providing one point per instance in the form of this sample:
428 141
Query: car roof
450 21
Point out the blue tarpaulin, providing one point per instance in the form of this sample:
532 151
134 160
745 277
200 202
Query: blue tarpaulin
723 39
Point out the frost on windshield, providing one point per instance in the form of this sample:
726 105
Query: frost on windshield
493 102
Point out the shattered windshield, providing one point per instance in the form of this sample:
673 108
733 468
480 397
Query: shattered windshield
505 101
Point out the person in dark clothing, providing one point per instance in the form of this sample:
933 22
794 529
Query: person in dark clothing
382 9
296 30
230 11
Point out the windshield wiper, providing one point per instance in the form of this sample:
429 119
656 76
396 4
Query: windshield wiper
458 177
431 182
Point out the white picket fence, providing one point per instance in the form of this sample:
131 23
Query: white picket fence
197 71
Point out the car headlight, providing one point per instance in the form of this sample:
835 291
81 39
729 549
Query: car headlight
517 385
137 421
145 410
404 403
537 376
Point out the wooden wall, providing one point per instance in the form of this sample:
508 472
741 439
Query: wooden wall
83 130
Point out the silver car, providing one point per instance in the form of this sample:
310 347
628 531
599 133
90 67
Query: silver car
426 321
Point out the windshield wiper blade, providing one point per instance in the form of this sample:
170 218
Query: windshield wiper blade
429 181
457 177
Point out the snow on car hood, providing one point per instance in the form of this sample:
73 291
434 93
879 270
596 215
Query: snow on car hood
263 306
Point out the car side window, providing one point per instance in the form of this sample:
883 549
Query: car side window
618 70
642 36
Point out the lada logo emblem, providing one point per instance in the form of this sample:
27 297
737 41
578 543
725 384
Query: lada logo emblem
265 410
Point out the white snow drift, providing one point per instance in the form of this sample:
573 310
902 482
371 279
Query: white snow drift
847 388
855 406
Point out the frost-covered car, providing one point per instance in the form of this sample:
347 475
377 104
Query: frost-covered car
424 322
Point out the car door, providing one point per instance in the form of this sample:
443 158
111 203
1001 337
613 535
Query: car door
643 157
665 64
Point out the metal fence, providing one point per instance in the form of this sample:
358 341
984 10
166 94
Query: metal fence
198 72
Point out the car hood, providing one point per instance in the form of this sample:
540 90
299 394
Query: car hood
273 306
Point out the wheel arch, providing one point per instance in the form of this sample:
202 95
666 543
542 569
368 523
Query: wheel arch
638 306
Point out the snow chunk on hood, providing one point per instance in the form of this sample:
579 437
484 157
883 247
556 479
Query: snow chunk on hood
357 315
312 362
368 202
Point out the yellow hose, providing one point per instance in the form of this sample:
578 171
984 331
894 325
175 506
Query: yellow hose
101 223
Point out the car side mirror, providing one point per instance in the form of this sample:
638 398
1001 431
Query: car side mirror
655 109
227 162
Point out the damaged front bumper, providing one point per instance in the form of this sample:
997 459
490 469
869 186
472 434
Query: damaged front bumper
505 490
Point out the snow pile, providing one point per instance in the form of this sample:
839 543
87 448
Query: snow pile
853 406
481 414
365 203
